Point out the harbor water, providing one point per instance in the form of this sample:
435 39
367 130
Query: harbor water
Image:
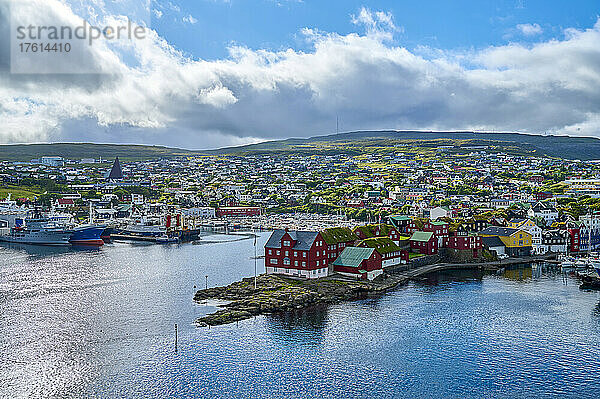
101 323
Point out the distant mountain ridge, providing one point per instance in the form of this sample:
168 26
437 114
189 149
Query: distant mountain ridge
583 148
568 147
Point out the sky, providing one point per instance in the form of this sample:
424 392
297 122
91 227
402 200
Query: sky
214 73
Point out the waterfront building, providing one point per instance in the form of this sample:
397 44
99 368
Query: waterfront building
391 253
400 222
573 231
337 238
424 242
532 228
296 253
203 212
554 241
377 230
494 244
472 243
363 263
439 230
64 203
589 232
516 241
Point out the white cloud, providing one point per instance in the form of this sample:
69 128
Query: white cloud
378 24
190 19
157 13
530 29
166 98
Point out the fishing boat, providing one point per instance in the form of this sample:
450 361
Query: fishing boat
83 234
88 234
37 232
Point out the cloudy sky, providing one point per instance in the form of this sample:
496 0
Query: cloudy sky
213 73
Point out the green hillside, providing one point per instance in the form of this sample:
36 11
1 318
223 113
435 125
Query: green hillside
26 152
583 148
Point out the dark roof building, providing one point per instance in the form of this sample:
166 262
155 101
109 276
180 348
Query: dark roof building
115 172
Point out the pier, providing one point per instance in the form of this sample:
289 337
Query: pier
395 278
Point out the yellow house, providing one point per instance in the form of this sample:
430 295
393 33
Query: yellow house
517 242
524 224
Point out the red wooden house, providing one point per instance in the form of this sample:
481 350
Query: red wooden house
296 253
424 242
363 263
378 230
465 242
337 238
439 230
574 237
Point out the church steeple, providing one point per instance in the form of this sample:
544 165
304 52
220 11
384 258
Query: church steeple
116 173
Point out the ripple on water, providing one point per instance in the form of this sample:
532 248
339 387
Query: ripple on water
101 324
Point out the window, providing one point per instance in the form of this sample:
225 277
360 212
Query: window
295 263
287 253
286 243
273 261
318 263
286 261
304 254
317 253
303 264
277 252
270 252
295 253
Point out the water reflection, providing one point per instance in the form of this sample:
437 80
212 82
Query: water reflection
518 273
41 251
450 276
300 326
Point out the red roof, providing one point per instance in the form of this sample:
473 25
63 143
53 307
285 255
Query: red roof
65 201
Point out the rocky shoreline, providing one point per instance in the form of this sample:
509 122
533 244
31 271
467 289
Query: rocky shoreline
277 294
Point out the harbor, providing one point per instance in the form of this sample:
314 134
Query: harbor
100 322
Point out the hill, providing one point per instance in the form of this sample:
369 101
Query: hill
26 152
583 148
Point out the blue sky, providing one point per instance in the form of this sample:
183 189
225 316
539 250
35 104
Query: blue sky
456 24
214 73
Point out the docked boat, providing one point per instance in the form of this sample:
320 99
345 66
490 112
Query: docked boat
37 233
83 234
146 227
88 234
567 262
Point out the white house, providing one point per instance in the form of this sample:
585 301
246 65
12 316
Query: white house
544 211
439 212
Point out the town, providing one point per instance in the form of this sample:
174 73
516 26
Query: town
344 213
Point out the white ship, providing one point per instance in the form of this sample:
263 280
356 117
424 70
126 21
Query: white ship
38 233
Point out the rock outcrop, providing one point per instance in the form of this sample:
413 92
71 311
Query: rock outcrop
276 294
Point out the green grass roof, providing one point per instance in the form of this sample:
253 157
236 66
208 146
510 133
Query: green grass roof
370 230
383 245
336 235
